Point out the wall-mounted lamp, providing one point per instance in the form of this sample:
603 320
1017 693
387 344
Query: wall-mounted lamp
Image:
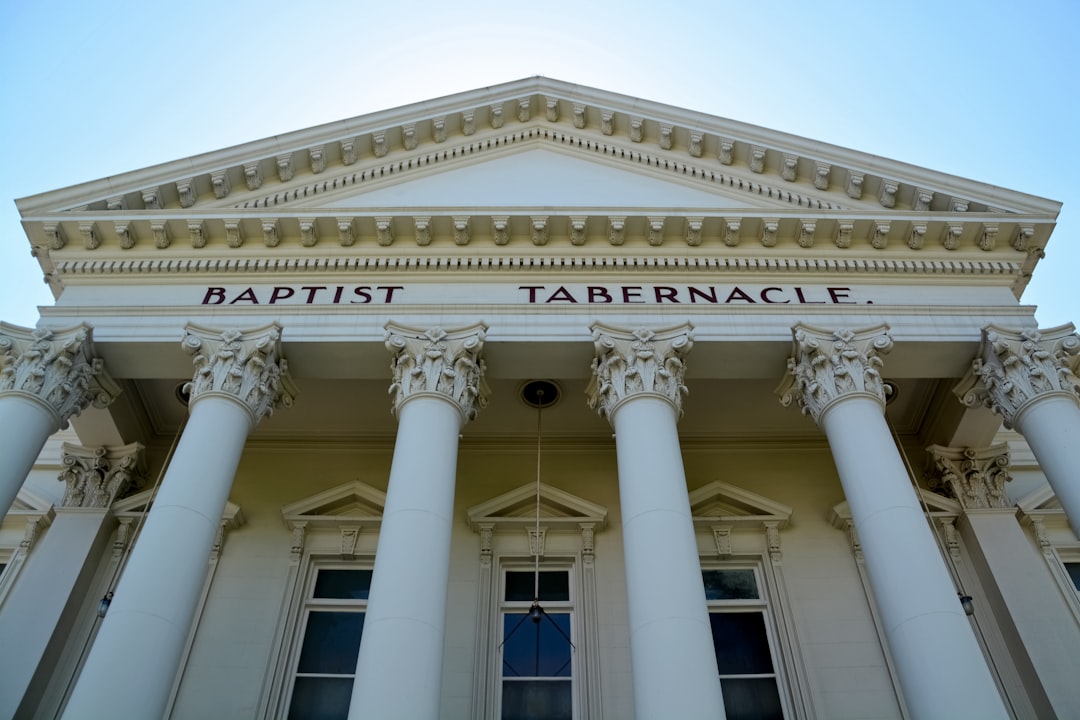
103 606
967 604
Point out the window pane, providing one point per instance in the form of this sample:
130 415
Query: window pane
536 649
742 647
343 584
751 699
1073 569
320 698
553 585
331 642
537 700
730 584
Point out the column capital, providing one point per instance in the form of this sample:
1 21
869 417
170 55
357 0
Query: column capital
830 365
1015 368
57 368
97 476
245 366
974 477
441 363
630 363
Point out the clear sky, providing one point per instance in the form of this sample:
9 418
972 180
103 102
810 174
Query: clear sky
988 89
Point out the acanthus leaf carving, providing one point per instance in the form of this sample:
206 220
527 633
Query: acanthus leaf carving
826 366
246 366
643 361
1015 368
55 367
95 477
435 361
974 477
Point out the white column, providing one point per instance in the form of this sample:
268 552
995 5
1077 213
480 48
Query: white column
46 376
38 614
638 385
239 378
1029 378
437 386
834 378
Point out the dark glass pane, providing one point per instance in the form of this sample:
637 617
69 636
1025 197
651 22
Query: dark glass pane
331 642
343 584
1074 573
730 584
742 647
316 698
553 585
537 700
751 699
536 649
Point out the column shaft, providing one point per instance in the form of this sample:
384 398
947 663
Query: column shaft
399 670
27 426
148 622
942 670
674 664
1051 427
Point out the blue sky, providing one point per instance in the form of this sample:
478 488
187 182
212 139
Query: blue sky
986 90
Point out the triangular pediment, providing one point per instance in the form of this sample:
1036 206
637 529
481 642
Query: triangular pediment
142 502
724 503
1042 498
518 508
353 502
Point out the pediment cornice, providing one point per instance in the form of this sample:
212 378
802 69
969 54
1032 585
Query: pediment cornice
651 133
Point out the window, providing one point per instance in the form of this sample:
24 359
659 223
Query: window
537 654
333 621
1073 570
743 642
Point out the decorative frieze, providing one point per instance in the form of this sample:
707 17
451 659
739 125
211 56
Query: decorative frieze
631 363
55 367
246 366
1014 368
826 366
973 477
435 361
95 477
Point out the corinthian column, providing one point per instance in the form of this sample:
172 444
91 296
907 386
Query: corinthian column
46 376
437 387
239 378
834 377
638 386
1030 379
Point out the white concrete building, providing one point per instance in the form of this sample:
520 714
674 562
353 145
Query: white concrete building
489 407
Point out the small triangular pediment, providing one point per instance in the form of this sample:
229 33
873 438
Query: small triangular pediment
28 502
352 501
142 502
518 507
937 505
1042 498
532 177
723 502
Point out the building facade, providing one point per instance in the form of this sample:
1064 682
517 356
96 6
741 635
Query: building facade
539 401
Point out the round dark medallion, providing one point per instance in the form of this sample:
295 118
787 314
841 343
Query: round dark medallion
540 393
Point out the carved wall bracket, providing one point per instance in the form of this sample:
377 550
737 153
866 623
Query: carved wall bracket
826 366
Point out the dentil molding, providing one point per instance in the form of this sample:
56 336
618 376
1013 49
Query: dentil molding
1015 368
828 365
246 366
643 361
57 368
438 362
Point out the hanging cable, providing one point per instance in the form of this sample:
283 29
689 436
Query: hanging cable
536 610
